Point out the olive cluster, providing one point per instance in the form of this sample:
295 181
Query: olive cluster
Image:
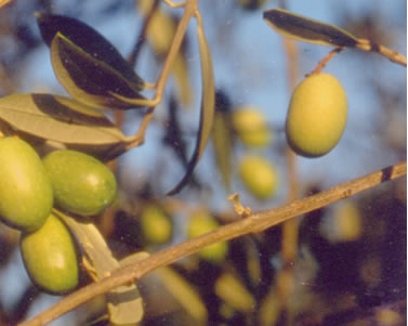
29 189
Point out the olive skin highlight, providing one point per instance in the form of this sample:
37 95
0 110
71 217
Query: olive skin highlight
82 185
26 197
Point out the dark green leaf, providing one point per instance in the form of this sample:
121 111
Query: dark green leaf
86 63
87 79
63 120
207 108
308 30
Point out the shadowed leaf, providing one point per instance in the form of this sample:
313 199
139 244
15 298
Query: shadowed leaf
87 65
207 108
308 30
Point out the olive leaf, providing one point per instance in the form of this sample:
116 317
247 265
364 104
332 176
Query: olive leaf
308 30
124 303
222 138
184 293
207 107
87 65
63 120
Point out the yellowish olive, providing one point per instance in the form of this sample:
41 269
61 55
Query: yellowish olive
156 225
317 115
82 184
201 223
25 190
344 223
259 176
50 257
251 127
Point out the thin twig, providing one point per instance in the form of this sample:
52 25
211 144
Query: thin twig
134 54
255 223
322 63
392 55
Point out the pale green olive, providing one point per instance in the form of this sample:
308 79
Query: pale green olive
317 115
259 176
200 223
25 190
156 226
50 257
82 184
251 127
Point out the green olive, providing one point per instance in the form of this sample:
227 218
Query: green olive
250 125
201 223
82 184
317 115
50 257
156 225
25 190
259 176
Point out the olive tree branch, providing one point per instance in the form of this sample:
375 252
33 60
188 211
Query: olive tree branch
392 55
254 223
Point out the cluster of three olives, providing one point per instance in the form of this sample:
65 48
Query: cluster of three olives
30 187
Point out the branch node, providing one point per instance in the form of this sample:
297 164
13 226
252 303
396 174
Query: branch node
241 210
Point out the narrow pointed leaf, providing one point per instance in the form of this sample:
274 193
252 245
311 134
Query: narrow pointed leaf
62 120
222 144
91 62
125 304
184 293
308 30
207 108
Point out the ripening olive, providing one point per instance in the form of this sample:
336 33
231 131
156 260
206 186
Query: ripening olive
25 190
201 223
259 176
317 115
250 126
156 225
50 257
344 224
82 184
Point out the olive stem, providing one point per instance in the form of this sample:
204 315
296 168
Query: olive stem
322 63
190 10
255 223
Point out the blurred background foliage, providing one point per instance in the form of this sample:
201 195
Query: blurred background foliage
350 262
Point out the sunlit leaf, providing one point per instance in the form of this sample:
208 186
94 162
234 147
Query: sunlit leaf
62 120
125 304
184 293
308 30
207 108
87 65
232 291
